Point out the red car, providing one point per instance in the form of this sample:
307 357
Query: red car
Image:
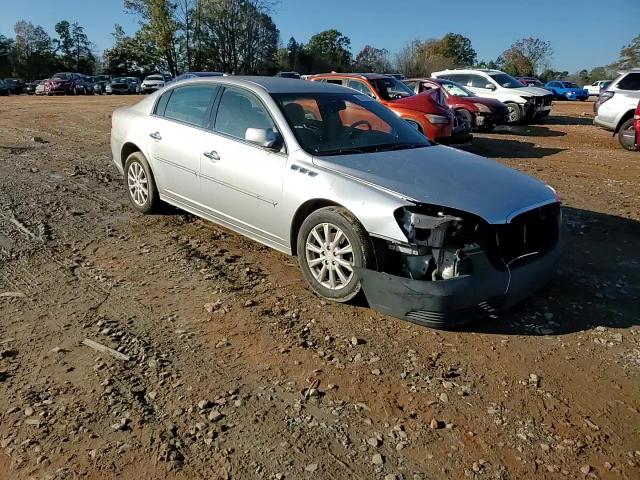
479 112
65 83
629 134
427 112
636 125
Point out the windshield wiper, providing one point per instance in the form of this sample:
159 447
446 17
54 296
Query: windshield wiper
399 146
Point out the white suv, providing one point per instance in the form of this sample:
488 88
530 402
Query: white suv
524 103
617 104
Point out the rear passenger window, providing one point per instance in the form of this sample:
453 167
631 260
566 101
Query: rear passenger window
630 82
162 103
190 104
477 81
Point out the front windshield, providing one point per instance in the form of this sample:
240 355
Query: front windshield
120 80
102 78
390 89
569 85
506 81
155 77
61 76
457 90
344 123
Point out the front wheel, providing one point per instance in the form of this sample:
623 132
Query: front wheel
627 136
140 183
331 242
515 112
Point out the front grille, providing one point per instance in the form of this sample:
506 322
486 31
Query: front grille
535 231
544 101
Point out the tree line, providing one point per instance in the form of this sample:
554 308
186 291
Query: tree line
241 37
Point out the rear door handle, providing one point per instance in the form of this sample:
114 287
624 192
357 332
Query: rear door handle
156 136
212 155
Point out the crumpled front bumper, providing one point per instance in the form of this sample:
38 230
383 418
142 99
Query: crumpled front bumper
460 300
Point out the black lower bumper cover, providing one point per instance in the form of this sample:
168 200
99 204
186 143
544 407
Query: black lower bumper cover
453 302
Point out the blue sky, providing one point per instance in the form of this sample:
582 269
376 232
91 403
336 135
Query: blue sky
584 33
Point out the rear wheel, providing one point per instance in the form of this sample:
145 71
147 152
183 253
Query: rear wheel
331 242
515 112
140 183
627 136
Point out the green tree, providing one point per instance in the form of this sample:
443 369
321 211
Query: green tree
528 56
458 48
371 59
74 47
629 55
598 73
32 55
330 50
158 21
241 36
6 49
132 55
550 74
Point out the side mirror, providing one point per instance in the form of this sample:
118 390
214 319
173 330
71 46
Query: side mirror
490 86
264 137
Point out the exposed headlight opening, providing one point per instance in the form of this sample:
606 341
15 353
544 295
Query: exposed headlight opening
441 242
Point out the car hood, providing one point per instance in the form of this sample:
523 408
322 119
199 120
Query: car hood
530 91
422 102
446 177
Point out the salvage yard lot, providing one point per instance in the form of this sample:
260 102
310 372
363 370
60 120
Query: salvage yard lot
224 341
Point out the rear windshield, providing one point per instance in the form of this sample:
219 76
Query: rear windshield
120 80
61 76
155 77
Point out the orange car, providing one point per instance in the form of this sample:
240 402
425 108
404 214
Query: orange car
427 111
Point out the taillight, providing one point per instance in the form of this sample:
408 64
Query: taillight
605 96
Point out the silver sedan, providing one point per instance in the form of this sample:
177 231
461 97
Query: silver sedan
428 233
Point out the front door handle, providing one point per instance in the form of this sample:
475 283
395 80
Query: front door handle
212 155
156 136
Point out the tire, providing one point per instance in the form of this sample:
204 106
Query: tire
137 175
467 116
626 136
319 275
515 112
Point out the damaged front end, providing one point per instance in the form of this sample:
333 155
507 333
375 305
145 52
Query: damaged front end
456 267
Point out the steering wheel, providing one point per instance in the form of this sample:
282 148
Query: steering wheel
361 122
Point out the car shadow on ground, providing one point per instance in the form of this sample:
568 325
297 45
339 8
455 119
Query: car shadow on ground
528 131
598 282
568 120
493 147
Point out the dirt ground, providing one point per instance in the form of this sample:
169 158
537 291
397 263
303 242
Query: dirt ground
221 338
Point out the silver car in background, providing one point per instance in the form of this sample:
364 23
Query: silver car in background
429 233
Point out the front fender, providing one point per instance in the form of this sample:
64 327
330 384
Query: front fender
372 206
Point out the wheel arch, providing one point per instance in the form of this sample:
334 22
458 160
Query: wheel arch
127 149
626 116
303 211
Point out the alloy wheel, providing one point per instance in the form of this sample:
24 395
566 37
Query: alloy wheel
329 255
138 184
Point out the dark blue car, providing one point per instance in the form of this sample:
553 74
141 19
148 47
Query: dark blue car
567 90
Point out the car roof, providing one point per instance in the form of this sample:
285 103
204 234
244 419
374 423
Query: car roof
368 76
468 70
271 84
